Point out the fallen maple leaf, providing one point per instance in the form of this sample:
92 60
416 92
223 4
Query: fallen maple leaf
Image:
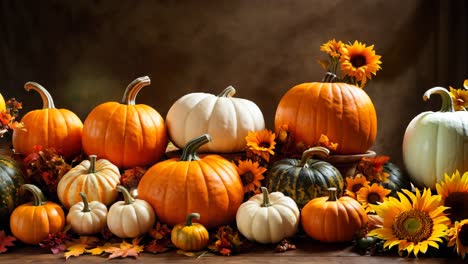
126 250
101 249
79 246
5 241
158 246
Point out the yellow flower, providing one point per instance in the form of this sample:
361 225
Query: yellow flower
454 192
459 98
333 48
359 61
353 185
413 224
371 195
261 143
251 174
459 237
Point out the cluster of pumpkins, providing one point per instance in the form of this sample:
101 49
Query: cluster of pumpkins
126 135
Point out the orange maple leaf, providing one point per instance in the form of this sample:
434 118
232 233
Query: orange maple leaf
5 241
126 250
78 247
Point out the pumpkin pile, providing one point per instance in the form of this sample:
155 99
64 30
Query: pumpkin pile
229 169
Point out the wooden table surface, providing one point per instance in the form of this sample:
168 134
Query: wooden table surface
305 253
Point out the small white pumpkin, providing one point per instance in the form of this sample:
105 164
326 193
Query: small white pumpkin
436 143
227 119
97 179
268 218
87 218
130 218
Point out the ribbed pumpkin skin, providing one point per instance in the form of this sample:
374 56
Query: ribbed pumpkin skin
49 127
32 222
397 180
210 186
11 178
126 135
333 221
303 184
227 119
343 112
98 186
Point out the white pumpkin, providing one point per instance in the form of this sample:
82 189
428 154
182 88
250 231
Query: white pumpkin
87 218
436 143
130 218
228 120
97 179
268 218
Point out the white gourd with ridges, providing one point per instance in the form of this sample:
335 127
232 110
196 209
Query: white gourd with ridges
87 218
436 143
228 120
96 179
268 218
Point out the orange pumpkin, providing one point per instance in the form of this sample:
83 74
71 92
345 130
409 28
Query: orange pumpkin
48 127
329 219
343 112
34 221
126 134
177 187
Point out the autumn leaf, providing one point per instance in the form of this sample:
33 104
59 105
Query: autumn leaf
126 250
158 246
101 249
5 241
79 246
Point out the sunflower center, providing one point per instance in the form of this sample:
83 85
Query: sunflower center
264 145
356 187
413 226
458 203
247 178
463 235
358 60
373 198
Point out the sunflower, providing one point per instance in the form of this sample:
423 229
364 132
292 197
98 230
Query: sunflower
261 143
251 174
359 61
454 192
333 48
353 185
413 224
459 98
372 168
459 237
371 195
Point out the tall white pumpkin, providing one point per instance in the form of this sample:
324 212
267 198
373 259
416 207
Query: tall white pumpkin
227 119
436 143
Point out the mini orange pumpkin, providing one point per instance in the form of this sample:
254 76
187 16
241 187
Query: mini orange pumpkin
126 134
177 187
343 112
49 127
329 219
34 221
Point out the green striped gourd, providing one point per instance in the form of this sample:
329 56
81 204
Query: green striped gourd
305 179
11 179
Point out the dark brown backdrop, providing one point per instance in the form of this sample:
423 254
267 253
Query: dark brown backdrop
86 52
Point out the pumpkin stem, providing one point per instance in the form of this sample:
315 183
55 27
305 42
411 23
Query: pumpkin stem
38 196
266 198
447 101
228 92
189 152
92 163
332 197
320 151
330 78
127 196
85 203
188 222
47 101
133 88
